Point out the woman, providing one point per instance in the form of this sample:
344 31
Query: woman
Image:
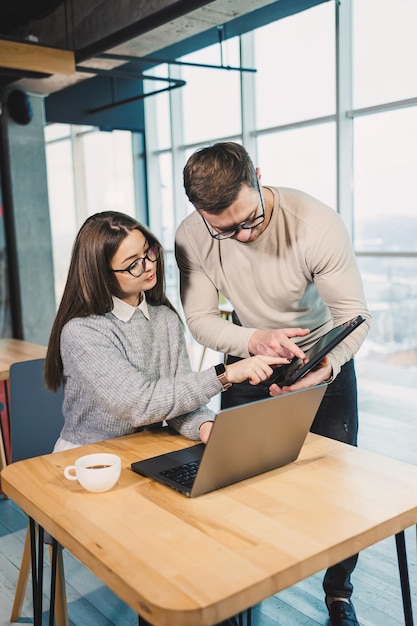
117 344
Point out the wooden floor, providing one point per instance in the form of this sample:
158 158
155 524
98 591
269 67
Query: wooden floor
388 425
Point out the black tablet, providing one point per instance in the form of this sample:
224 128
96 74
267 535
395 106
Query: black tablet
287 375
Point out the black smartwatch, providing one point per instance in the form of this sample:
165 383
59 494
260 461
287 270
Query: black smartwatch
221 375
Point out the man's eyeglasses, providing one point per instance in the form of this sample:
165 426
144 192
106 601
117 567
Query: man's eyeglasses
138 266
246 225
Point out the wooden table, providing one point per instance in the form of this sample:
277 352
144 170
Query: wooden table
195 562
13 351
16 350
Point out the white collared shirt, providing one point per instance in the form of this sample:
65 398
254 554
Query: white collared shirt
124 311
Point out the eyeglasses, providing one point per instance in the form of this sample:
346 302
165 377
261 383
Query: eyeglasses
138 266
246 225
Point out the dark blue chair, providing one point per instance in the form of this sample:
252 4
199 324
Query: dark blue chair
36 421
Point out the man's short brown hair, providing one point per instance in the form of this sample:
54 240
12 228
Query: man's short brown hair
214 176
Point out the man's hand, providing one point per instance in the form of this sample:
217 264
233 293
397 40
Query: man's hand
277 342
321 373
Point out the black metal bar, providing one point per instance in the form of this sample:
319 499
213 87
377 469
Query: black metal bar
53 582
116 73
33 558
159 61
127 75
40 574
404 579
220 32
142 96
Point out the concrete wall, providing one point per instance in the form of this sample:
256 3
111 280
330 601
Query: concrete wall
27 210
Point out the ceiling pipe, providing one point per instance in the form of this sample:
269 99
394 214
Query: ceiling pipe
119 73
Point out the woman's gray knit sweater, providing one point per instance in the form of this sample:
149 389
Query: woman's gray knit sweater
123 375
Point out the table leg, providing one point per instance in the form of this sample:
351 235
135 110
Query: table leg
53 582
33 554
37 570
404 579
238 620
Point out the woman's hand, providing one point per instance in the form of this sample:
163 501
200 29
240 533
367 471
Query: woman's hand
255 369
205 430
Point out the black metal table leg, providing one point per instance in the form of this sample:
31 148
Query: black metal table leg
35 556
249 617
53 582
40 573
404 578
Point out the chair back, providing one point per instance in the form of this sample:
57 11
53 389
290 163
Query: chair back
36 416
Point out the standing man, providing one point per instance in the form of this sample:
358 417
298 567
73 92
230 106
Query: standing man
285 261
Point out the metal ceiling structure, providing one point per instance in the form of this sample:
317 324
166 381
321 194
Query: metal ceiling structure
115 43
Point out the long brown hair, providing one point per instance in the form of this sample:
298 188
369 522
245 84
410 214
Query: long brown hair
90 284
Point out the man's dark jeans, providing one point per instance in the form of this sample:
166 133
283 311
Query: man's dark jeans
337 418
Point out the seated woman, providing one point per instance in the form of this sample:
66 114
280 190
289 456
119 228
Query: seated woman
117 344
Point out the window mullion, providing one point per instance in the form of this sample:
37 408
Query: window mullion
79 177
177 142
247 93
344 131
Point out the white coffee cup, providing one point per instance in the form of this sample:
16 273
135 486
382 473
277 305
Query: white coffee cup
95 472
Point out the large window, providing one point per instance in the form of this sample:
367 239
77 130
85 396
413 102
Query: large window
384 51
385 181
289 159
88 172
211 100
331 109
295 61
384 118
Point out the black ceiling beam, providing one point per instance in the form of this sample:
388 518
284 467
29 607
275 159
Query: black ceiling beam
14 15
140 27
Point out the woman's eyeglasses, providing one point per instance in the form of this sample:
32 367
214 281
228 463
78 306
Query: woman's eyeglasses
138 266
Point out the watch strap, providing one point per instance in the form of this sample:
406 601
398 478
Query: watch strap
222 376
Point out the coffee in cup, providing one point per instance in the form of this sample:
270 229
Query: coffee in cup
95 472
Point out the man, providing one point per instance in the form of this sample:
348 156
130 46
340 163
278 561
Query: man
286 263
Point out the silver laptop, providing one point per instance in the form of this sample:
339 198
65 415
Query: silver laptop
245 441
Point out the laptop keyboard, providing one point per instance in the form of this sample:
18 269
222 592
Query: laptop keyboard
183 474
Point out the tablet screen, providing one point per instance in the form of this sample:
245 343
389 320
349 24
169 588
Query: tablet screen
289 374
